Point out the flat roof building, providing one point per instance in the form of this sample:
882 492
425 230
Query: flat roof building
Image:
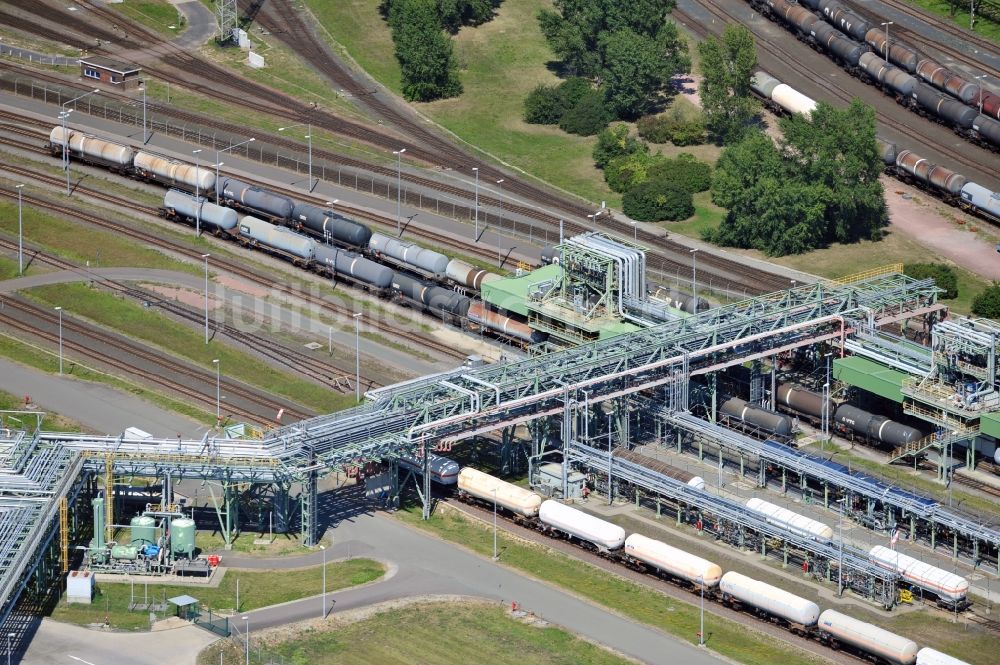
110 72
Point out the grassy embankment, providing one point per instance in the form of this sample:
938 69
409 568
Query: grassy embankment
984 27
160 16
428 633
53 421
257 589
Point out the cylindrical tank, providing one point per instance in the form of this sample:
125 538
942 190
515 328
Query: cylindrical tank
143 530
947 179
125 552
552 255
115 154
978 197
186 205
408 253
868 638
800 17
799 524
482 486
328 223
933 72
462 273
991 105
847 21
173 172
779 7
988 128
887 151
767 420
341 262
917 166
269 203
673 561
97 506
503 324
792 100
946 585
900 55
444 470
278 237
950 110
876 427
846 49
182 537
771 599
811 4
928 656
579 524
409 287
804 401
762 83
895 79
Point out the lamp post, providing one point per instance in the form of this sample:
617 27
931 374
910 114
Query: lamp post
357 356
886 26
205 256
826 402
246 635
63 115
218 389
476 170
20 233
399 159
981 76
145 136
309 136
322 547
694 278
500 223
701 633
59 309
218 164
495 555
197 195
635 233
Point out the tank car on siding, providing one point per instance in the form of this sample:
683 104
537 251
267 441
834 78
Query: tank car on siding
987 130
976 198
332 225
438 300
463 274
91 150
605 536
181 206
444 471
800 524
840 629
845 20
408 255
900 54
244 196
928 656
336 262
485 488
792 101
877 428
943 109
769 421
277 239
842 48
504 325
944 79
947 586
673 561
798 613
889 77
173 173
804 401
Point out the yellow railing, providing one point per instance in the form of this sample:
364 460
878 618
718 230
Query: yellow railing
890 269
914 447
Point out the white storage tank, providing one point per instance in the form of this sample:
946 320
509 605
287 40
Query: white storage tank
672 560
792 100
604 535
771 599
928 656
799 524
940 582
515 499
868 638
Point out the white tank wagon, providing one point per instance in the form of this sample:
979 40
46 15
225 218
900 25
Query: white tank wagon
444 470
481 486
796 611
180 205
258 232
799 524
792 100
409 254
673 561
928 656
172 172
947 586
87 148
840 628
604 535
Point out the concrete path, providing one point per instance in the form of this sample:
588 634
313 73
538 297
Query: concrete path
201 24
63 644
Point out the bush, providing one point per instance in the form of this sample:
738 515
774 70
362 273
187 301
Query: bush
615 142
657 200
626 172
987 303
682 124
684 172
944 276
587 117
573 90
544 105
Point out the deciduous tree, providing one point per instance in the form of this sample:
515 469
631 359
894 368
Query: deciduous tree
424 51
727 65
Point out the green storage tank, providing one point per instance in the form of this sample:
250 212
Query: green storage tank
182 537
124 552
143 530
98 507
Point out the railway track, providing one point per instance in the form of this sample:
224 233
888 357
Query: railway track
220 263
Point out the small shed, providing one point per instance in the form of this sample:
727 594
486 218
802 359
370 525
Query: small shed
80 587
187 607
112 73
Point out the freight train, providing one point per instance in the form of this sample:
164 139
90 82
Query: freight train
309 236
644 554
913 80
906 165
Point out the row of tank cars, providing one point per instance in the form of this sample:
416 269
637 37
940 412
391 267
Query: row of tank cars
912 78
639 552
311 237
953 188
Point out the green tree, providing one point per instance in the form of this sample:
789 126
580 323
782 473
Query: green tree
628 171
944 276
587 117
728 64
456 13
637 66
424 51
987 303
684 172
544 105
615 142
657 200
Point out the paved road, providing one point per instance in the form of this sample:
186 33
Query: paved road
62 644
201 24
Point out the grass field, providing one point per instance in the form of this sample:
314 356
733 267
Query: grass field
429 634
257 589
143 324
284 543
53 421
157 15
632 600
